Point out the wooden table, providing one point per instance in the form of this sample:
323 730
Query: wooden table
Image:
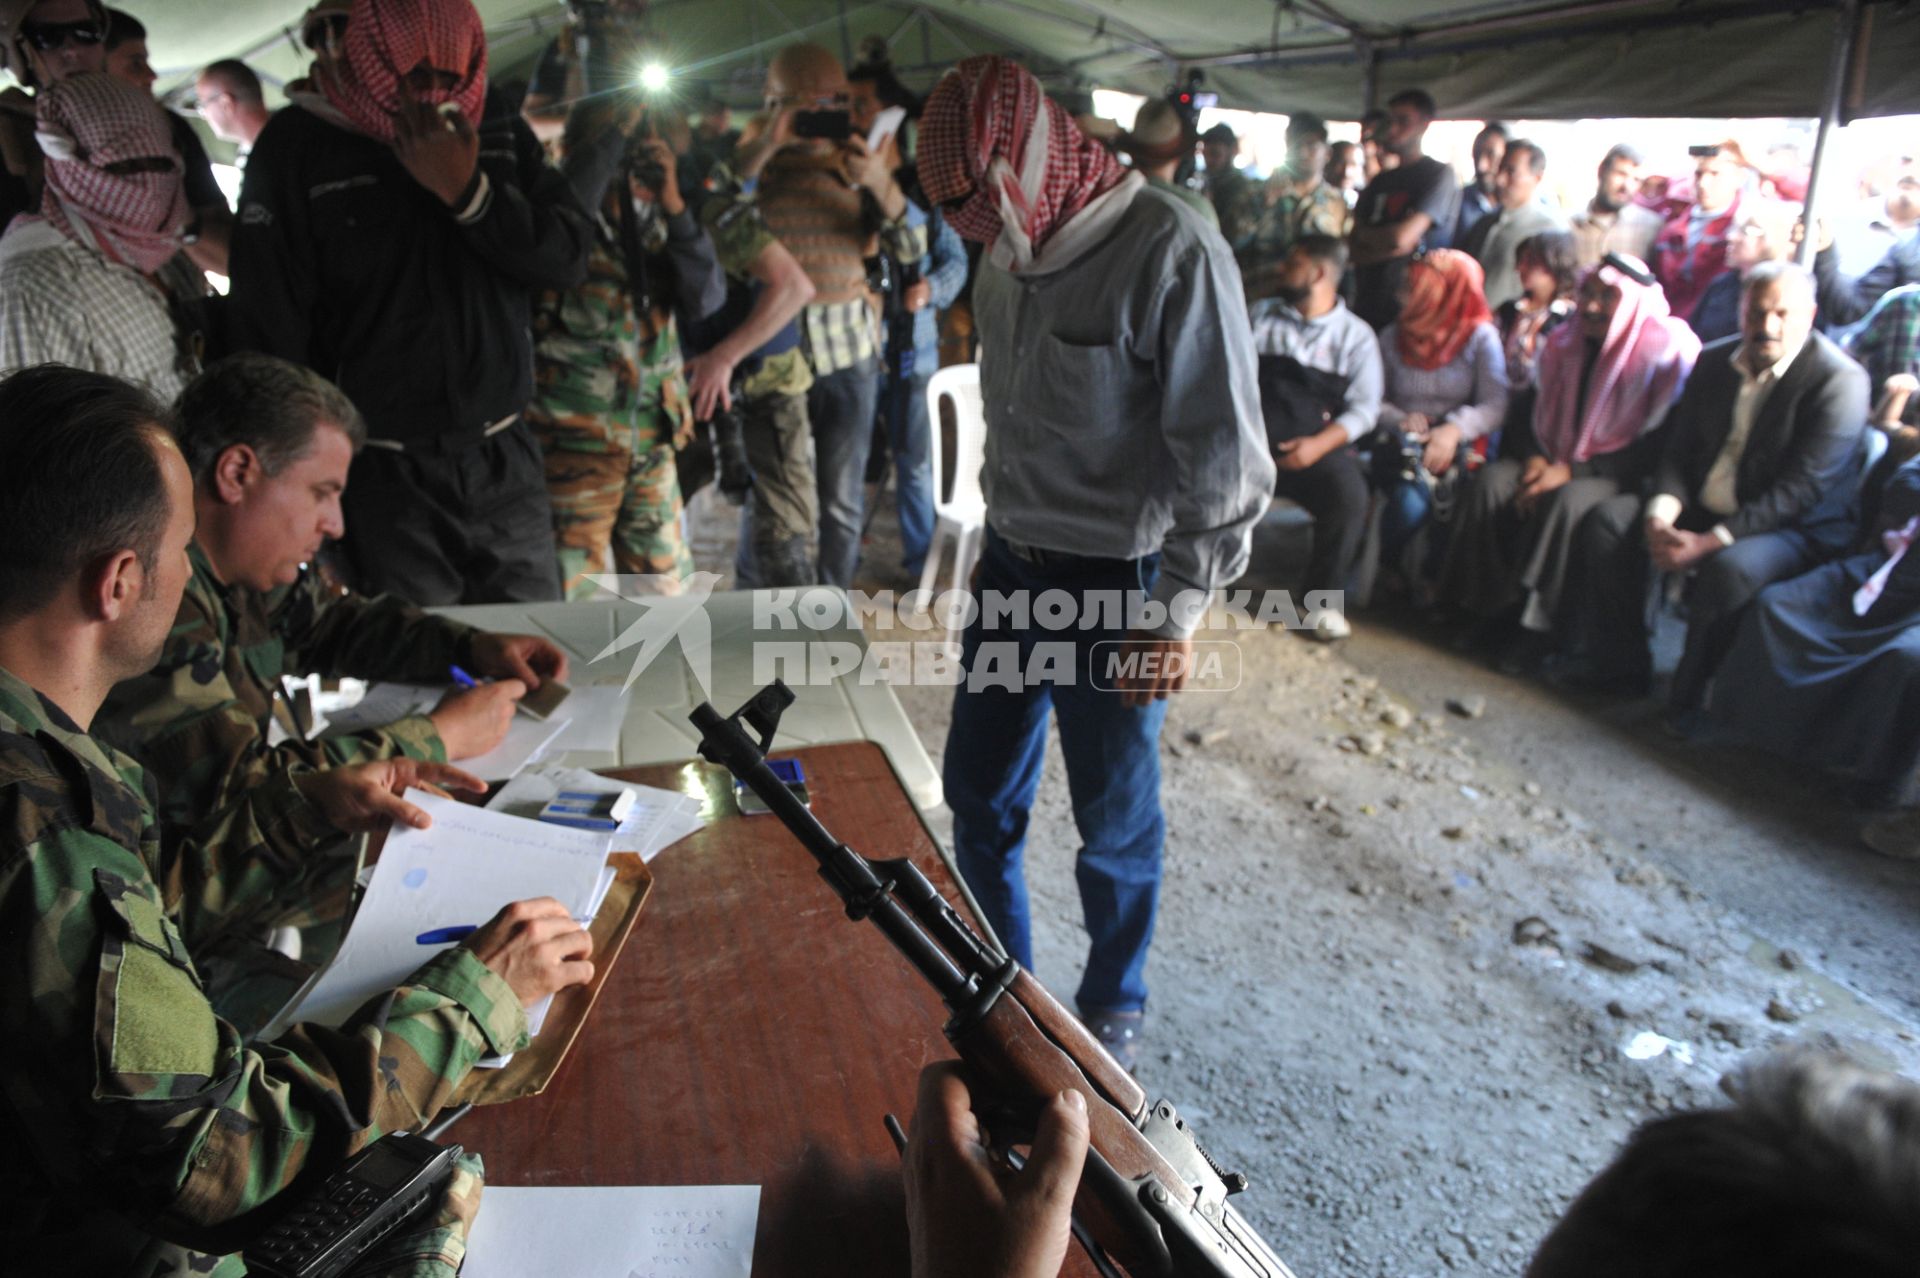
751 1033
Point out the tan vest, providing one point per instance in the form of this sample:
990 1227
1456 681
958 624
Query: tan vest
810 209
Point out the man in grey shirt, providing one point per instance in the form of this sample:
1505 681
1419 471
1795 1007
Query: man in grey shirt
1496 238
1125 457
1320 389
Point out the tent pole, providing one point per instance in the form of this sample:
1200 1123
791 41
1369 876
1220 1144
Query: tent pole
846 37
1369 75
1840 66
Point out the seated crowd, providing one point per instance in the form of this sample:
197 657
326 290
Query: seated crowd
489 348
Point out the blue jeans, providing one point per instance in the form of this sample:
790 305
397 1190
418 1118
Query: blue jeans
1403 508
995 748
841 407
911 438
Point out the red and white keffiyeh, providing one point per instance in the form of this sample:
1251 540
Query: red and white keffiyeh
1642 366
990 135
386 39
88 123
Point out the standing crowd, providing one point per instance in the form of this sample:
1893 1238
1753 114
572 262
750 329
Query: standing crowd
480 350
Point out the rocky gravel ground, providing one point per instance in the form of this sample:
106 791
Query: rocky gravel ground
1425 958
1415 1000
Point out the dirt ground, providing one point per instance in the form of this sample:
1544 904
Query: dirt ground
1417 973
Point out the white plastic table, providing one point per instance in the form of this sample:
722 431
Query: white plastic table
846 707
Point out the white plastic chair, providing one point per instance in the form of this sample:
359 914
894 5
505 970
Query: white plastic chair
961 517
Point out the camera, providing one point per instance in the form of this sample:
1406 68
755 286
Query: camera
1413 461
880 274
734 475
641 166
832 126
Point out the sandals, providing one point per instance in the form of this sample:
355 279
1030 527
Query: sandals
1119 1032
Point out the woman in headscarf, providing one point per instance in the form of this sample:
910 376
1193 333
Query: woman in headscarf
81 281
1606 384
1446 381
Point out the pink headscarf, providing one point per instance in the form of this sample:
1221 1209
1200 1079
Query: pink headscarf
1640 370
991 134
87 123
386 39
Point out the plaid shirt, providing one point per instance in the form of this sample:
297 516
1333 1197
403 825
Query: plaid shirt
1888 339
62 303
840 335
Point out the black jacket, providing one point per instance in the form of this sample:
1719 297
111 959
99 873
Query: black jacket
1845 298
342 262
1803 457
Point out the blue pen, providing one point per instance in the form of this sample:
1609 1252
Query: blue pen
462 678
445 935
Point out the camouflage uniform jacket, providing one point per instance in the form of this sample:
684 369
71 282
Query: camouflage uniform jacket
199 719
606 352
1288 213
606 370
1237 203
145 1137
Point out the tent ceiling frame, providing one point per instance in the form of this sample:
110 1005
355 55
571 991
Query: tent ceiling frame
1507 31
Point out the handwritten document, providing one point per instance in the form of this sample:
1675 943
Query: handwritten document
457 873
678 1231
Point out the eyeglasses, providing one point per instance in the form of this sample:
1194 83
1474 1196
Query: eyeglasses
48 36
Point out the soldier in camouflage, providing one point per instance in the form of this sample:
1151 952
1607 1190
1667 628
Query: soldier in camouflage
610 406
753 344
1296 201
145 1136
1229 190
269 444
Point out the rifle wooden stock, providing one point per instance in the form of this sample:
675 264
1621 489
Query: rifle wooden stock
1029 1046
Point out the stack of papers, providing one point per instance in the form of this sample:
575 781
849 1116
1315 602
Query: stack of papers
659 817
526 740
695 1231
457 873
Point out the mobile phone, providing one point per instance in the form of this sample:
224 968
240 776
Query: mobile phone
885 125
790 772
832 126
379 1189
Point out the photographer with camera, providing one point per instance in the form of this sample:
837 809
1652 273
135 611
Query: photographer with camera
610 403
832 200
749 378
912 299
593 55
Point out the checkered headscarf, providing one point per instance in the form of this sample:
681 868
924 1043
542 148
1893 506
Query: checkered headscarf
87 123
989 134
388 38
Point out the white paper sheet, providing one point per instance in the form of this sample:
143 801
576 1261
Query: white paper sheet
680 1231
459 872
598 712
382 703
526 740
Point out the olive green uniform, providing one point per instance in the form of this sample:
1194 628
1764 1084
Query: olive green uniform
144 1135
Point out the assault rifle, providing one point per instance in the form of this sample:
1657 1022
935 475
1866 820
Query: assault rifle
1150 1197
